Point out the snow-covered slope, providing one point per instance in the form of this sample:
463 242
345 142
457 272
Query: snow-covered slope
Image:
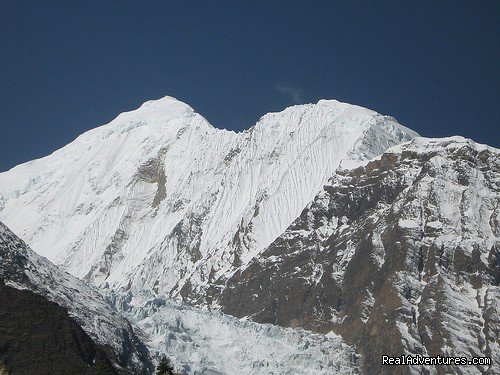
21 268
160 200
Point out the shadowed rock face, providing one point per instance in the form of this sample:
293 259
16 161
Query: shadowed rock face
38 337
400 256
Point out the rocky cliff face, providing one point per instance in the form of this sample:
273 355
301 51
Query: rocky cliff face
51 322
400 256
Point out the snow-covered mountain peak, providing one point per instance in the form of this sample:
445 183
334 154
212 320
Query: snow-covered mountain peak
326 216
157 114
161 109
353 108
332 118
160 199
323 107
164 101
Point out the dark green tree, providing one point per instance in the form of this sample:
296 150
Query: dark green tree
165 367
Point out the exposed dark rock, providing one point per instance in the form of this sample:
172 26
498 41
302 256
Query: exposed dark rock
153 171
231 155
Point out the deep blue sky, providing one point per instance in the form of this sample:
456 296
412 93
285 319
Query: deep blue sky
68 66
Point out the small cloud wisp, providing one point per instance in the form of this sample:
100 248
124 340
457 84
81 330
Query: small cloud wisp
294 93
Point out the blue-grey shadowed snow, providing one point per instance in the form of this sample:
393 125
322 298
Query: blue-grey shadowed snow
69 66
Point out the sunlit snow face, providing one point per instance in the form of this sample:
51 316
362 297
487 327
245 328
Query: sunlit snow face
212 199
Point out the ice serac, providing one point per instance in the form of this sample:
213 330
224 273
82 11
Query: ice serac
84 329
204 341
160 200
399 256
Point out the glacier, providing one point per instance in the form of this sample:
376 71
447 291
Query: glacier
202 340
